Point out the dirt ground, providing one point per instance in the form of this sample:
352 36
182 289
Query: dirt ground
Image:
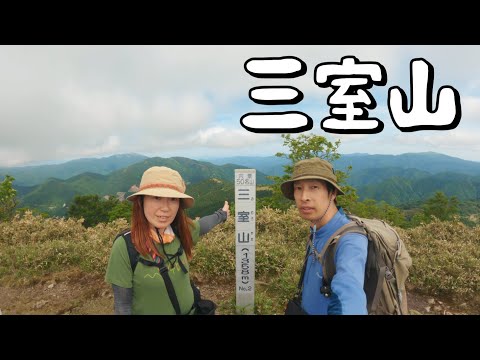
77 293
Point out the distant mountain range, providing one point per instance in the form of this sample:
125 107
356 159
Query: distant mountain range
37 174
396 179
270 165
430 162
53 194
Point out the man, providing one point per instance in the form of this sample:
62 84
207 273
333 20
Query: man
314 188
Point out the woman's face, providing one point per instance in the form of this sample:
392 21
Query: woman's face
160 211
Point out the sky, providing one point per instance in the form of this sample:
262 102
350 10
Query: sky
64 102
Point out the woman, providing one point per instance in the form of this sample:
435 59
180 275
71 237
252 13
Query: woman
163 237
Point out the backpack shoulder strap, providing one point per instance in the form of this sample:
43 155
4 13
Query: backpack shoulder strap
327 255
134 257
132 252
298 294
163 270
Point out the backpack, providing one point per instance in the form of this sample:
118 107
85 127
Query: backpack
203 306
386 269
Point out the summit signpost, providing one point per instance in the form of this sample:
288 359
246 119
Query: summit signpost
245 200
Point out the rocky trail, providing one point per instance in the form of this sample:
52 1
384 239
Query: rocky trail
76 293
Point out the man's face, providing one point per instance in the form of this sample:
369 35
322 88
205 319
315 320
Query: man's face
311 198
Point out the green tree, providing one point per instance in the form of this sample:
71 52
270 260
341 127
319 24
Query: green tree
306 147
440 206
8 199
369 208
417 219
391 214
121 210
92 209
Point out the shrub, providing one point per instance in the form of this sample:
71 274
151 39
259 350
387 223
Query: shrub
446 255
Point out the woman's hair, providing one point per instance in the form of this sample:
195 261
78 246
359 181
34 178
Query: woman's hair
142 239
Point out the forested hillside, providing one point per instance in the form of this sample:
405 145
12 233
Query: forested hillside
54 196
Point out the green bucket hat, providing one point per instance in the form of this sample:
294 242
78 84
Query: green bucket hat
310 169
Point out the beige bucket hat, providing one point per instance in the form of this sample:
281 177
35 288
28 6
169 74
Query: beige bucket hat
308 169
165 182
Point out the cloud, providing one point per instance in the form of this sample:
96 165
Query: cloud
455 139
220 137
459 143
13 157
111 145
63 102
470 110
346 138
76 122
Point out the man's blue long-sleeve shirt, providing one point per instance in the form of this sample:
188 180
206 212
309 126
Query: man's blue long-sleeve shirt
348 296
